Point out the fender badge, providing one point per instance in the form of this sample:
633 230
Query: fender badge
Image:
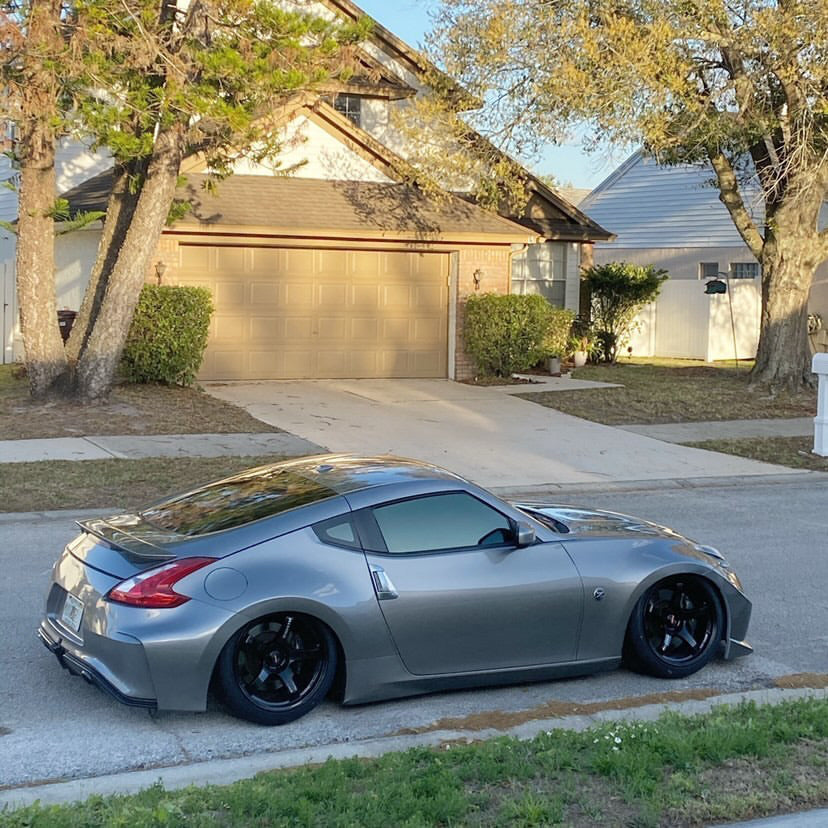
599 594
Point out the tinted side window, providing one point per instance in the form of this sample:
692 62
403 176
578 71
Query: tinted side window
338 531
446 521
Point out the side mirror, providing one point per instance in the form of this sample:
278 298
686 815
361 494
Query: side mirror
525 534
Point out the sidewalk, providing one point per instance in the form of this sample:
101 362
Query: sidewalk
724 430
159 445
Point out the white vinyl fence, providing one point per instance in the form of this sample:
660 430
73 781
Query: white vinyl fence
685 322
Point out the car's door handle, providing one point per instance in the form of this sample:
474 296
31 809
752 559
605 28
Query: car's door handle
383 585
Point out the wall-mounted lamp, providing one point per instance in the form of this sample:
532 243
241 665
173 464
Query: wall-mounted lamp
476 277
160 270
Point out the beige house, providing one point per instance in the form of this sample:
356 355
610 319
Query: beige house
329 264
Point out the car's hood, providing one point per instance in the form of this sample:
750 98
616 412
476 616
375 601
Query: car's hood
572 520
569 521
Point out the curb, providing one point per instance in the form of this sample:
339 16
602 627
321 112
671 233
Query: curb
225 771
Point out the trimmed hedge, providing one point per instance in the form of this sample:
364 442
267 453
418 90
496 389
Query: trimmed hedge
556 342
168 335
505 334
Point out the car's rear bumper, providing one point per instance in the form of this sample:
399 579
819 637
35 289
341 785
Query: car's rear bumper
78 665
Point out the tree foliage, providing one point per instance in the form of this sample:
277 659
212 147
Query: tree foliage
618 291
153 83
742 87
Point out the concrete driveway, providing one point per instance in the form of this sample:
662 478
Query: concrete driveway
485 434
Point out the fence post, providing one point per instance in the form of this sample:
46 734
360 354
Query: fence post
819 366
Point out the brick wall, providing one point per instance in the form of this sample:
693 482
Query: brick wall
495 277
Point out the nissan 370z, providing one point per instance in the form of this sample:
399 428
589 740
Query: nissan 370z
376 578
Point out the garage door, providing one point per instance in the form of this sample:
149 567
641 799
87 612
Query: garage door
296 313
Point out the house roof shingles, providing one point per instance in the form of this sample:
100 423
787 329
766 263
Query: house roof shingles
290 203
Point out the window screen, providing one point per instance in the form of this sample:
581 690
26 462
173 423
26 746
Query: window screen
744 270
350 106
541 269
448 521
708 270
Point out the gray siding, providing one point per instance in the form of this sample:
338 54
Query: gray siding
647 205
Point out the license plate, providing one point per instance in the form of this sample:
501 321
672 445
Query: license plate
71 613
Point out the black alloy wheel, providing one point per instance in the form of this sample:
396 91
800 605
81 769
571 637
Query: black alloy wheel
278 668
676 627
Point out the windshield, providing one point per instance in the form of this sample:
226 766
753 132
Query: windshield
236 501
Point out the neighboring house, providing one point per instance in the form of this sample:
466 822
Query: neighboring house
340 268
671 217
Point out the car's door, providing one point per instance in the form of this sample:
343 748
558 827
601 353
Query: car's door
457 593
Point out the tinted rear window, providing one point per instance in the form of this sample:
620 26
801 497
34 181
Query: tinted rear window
236 502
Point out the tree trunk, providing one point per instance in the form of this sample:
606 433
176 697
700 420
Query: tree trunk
45 355
119 211
99 360
783 359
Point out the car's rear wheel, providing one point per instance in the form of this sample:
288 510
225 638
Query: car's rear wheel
278 668
675 628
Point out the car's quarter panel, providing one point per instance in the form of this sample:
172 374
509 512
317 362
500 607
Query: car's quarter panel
299 573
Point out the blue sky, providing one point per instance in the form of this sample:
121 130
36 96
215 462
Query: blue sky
409 19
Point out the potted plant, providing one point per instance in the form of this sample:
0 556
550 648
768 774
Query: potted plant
557 338
581 342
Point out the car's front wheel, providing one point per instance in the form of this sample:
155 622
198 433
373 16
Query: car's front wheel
675 628
278 668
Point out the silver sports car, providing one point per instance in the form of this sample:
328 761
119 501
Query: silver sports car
377 577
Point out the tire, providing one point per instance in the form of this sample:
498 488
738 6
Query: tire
675 628
276 669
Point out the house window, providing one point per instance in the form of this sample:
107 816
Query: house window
541 269
350 106
708 270
744 270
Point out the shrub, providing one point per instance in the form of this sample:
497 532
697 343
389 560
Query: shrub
618 292
504 334
168 335
556 342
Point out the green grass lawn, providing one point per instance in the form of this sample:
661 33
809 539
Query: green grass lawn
126 484
794 452
673 391
733 763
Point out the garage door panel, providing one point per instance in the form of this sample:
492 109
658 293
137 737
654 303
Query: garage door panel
430 297
296 313
365 296
195 259
331 294
365 329
265 293
298 260
230 259
298 295
229 328
332 328
396 296
230 296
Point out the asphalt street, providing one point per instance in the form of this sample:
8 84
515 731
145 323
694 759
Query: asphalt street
53 726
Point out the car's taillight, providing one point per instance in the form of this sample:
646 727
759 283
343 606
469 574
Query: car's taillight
153 589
